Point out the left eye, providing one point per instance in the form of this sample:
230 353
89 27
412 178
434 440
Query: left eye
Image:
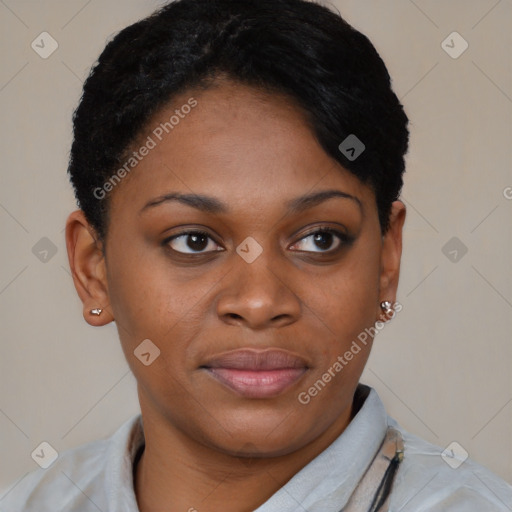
321 241
192 242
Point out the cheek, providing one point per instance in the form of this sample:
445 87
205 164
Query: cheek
152 300
141 292
344 300
344 308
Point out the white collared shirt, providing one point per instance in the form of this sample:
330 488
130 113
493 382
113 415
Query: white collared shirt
98 476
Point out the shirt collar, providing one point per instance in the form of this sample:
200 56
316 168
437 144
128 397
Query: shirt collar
325 484
126 442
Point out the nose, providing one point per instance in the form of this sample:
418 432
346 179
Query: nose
259 295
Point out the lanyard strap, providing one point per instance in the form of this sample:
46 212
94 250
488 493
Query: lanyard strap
372 492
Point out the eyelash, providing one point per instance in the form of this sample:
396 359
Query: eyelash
344 240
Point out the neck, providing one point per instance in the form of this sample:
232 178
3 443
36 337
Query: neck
176 473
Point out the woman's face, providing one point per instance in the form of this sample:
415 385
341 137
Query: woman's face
251 312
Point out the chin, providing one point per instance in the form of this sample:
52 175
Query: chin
263 433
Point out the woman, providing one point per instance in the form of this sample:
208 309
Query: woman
238 166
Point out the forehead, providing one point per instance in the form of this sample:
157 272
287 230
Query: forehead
242 145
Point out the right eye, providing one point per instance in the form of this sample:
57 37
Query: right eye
191 242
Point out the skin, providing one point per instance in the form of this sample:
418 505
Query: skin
208 447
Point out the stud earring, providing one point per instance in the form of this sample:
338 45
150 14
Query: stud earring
96 311
388 309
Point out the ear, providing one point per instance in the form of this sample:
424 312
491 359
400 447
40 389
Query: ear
391 253
88 268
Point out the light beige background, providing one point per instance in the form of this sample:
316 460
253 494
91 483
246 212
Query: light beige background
442 366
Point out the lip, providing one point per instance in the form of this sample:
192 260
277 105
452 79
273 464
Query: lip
256 373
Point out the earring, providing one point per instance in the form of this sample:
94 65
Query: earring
96 311
388 309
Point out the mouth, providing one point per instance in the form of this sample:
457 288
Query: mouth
256 373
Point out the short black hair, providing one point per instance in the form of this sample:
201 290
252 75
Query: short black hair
296 47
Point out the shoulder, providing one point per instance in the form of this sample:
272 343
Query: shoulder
434 480
76 473
79 480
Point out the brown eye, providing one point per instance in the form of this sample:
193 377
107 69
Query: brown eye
192 242
322 240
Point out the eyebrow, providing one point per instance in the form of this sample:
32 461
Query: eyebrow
302 203
212 205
